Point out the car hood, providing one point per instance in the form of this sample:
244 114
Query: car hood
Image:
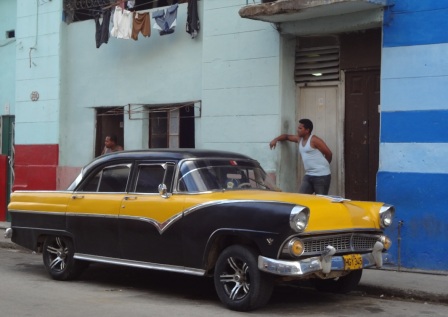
327 213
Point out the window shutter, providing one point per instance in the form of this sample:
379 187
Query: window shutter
317 64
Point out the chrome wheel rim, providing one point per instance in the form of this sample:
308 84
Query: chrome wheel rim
235 279
57 254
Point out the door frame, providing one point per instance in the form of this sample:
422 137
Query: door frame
340 115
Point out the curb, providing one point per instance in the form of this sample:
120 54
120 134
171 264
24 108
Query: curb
403 294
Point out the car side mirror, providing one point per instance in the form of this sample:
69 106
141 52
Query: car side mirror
163 191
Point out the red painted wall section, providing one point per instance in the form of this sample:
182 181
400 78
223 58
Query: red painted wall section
3 185
35 167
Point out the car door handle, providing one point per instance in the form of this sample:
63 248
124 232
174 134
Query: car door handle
77 196
130 198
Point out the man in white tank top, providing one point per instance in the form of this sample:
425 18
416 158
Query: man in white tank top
316 157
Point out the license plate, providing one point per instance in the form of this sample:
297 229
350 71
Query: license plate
352 262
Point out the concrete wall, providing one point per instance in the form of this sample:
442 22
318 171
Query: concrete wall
8 10
414 136
242 76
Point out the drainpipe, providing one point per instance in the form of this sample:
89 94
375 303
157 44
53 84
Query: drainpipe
400 224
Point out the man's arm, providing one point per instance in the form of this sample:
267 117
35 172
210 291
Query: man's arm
284 137
319 144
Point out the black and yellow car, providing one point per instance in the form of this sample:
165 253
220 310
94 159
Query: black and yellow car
208 213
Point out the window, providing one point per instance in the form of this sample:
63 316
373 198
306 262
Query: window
317 59
112 179
173 128
10 34
149 178
158 133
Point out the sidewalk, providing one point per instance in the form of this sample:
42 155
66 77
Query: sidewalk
384 283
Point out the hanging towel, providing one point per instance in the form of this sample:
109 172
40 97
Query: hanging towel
165 20
193 24
102 29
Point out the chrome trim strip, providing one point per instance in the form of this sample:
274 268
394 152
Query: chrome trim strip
78 214
160 226
50 213
222 202
140 264
43 191
378 231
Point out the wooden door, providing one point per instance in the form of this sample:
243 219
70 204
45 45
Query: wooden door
361 142
320 105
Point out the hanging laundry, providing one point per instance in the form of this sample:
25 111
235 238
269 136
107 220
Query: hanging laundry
102 29
130 4
165 20
193 24
141 23
122 24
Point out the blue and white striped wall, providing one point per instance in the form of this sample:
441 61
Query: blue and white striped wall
413 172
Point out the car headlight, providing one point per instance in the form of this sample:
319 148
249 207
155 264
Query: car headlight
298 219
386 215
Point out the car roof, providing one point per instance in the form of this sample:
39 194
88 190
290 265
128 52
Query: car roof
165 154
176 154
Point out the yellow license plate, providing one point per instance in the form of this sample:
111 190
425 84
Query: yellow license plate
352 262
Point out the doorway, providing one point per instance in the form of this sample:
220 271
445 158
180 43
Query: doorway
362 126
320 103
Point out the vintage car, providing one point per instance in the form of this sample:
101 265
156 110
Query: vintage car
208 213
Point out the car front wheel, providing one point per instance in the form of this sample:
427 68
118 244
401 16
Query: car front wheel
240 285
343 284
58 258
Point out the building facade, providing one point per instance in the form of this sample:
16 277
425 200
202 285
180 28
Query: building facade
369 73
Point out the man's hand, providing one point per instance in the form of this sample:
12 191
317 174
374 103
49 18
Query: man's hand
273 144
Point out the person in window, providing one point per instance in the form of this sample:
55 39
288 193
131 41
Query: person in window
110 145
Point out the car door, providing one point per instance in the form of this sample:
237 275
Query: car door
92 213
149 223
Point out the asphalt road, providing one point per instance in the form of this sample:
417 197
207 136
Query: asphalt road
26 290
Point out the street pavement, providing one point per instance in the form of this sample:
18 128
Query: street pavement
387 283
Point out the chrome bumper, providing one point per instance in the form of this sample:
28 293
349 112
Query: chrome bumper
324 263
8 233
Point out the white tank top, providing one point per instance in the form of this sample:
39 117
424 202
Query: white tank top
314 161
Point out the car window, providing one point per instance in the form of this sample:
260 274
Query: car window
110 179
149 178
215 174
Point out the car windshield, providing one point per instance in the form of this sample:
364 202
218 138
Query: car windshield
220 174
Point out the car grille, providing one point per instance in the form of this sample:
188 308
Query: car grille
350 242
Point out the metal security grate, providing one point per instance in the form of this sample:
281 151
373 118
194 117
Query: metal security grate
317 64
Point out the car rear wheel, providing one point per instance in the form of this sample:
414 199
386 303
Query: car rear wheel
239 283
342 285
58 258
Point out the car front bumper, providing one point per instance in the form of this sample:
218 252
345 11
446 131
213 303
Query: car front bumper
325 263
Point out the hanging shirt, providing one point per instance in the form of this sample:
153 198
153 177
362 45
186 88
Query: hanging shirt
193 24
165 20
122 23
314 161
102 29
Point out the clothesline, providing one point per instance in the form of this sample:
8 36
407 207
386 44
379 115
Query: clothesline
128 25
